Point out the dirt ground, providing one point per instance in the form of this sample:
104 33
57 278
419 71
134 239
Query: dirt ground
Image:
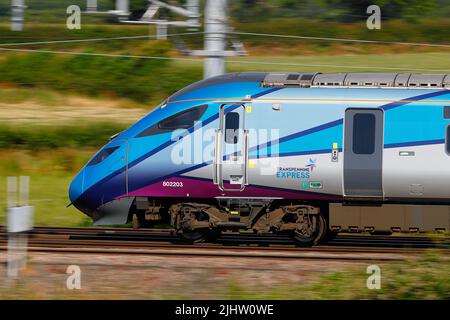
118 276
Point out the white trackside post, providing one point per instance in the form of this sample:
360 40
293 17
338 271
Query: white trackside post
19 221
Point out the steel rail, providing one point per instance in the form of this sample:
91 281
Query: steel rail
164 242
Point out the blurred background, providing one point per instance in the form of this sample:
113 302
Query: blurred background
57 109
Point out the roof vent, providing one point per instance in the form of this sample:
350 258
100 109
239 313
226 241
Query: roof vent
289 79
369 79
446 82
332 79
426 80
401 80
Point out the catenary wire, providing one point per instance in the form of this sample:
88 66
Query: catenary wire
341 39
235 33
229 61
94 39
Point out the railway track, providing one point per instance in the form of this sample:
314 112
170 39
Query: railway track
165 242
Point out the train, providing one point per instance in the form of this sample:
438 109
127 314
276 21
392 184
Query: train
271 152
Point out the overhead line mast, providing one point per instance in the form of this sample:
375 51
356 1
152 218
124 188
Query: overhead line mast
215 25
17 13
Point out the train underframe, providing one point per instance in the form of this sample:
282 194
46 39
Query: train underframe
200 220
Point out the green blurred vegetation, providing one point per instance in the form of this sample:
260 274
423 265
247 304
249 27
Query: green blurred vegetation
51 172
345 62
48 137
94 75
151 81
338 10
427 278
258 10
424 30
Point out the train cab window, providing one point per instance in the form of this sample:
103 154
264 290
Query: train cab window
232 127
447 112
363 133
447 140
182 120
102 155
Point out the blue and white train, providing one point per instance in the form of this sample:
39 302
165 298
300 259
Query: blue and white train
271 151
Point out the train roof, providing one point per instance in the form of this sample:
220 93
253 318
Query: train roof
317 79
225 78
379 80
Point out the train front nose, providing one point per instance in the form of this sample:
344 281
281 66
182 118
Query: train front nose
76 187
76 191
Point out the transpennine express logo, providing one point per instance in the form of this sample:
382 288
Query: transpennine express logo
311 165
296 172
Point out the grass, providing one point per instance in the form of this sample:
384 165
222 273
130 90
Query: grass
425 30
150 81
49 196
47 137
91 75
344 63
53 26
50 175
426 277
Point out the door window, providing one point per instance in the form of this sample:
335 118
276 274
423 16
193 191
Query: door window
363 133
232 127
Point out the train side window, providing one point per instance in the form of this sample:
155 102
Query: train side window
447 112
102 155
363 133
181 120
447 141
232 127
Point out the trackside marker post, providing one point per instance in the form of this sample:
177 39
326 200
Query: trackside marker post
19 221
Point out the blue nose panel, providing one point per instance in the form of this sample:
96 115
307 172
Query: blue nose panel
76 187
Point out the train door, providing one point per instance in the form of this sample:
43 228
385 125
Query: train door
363 154
231 149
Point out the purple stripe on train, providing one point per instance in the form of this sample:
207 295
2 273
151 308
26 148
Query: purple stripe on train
203 188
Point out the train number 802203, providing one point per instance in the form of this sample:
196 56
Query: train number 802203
175 184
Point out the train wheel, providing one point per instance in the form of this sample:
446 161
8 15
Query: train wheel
311 229
199 235
193 236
